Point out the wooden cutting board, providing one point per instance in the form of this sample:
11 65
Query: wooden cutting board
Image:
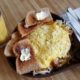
13 12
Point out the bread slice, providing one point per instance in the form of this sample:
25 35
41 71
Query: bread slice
23 31
31 22
8 49
23 43
30 19
26 66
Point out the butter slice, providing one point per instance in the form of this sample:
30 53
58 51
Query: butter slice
25 54
42 15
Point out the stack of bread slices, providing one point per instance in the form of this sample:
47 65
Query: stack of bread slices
39 43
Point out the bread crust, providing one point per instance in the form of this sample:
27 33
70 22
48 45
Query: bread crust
8 49
30 23
25 31
26 66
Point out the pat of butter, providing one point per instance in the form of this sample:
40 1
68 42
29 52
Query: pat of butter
25 54
42 15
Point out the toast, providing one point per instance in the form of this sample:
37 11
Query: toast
26 66
42 44
8 49
31 22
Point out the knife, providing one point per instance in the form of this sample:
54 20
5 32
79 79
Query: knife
74 25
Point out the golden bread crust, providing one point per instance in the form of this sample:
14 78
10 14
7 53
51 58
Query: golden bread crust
25 31
8 49
26 66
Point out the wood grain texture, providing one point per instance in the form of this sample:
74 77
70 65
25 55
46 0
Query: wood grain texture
13 12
